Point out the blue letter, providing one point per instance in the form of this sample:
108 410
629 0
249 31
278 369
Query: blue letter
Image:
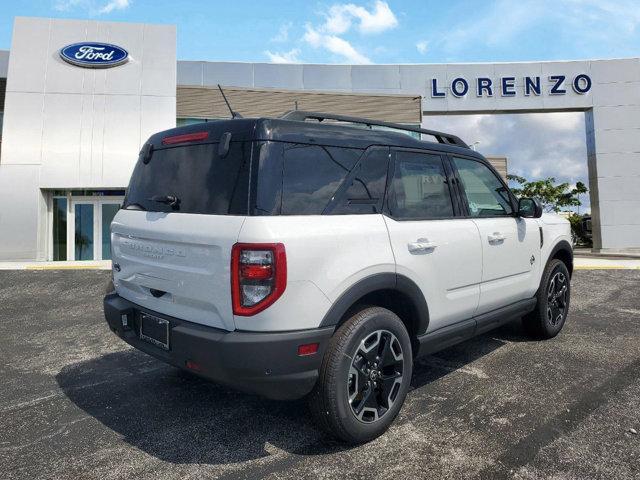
434 89
484 84
557 86
508 86
587 83
532 85
454 87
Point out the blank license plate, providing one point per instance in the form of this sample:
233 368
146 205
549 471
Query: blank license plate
154 330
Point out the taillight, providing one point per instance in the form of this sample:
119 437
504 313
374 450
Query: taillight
258 276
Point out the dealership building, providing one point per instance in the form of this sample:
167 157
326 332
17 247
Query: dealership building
78 98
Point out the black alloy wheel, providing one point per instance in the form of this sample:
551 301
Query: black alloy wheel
557 298
375 376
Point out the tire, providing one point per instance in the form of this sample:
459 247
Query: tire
354 399
552 307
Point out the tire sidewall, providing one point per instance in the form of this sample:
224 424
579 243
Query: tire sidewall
380 319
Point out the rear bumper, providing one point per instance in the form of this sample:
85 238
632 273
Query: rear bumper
263 363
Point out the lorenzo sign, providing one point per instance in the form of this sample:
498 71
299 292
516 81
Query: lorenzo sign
94 55
506 86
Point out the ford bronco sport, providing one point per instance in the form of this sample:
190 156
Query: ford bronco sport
318 255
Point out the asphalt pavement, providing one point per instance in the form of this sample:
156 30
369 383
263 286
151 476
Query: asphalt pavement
78 403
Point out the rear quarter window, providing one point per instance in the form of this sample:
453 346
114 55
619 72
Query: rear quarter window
366 188
299 179
311 174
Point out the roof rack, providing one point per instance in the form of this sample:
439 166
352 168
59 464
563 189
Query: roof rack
441 137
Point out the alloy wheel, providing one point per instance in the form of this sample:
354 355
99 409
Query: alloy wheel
557 298
375 375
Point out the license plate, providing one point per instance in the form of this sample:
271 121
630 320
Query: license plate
154 330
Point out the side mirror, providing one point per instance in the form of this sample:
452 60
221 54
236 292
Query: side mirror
529 208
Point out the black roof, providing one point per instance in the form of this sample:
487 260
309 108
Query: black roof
321 133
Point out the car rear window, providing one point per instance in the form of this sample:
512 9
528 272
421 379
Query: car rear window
196 176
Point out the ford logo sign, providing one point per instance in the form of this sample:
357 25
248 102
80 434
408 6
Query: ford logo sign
94 55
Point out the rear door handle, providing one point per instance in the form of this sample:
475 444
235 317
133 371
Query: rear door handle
422 245
496 237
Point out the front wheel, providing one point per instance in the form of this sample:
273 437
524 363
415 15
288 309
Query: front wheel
364 377
552 306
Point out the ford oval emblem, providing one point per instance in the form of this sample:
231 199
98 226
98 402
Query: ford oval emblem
94 55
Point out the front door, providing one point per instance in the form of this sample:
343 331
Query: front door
439 252
510 244
80 227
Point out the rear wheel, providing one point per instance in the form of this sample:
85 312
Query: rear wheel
552 307
365 376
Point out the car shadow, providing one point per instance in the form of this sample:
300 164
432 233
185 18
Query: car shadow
180 418
430 368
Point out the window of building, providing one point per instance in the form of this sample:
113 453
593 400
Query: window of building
486 195
59 228
419 189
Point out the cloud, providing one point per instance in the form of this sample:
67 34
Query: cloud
91 7
115 5
422 46
283 33
292 56
537 146
339 18
574 23
334 44
328 33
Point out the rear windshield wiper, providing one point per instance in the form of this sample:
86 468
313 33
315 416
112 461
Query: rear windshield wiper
170 200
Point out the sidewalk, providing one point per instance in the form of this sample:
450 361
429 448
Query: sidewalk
586 263
88 265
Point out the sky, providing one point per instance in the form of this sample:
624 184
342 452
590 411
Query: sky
397 31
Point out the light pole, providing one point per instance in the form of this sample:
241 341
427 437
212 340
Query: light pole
473 145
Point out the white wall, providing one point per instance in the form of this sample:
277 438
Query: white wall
72 127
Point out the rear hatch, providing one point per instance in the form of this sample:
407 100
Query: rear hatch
172 239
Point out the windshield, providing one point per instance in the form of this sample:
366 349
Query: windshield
192 179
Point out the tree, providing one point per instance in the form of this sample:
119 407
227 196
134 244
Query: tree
553 197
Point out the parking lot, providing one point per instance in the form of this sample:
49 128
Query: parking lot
76 402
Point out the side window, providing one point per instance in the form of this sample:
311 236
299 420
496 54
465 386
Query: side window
419 188
366 189
311 176
486 195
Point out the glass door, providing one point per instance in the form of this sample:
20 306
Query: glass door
79 224
91 230
84 244
108 211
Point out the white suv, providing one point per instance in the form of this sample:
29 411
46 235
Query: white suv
298 257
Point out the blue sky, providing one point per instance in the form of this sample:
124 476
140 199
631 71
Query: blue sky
398 31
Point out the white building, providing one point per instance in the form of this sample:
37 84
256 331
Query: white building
71 134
